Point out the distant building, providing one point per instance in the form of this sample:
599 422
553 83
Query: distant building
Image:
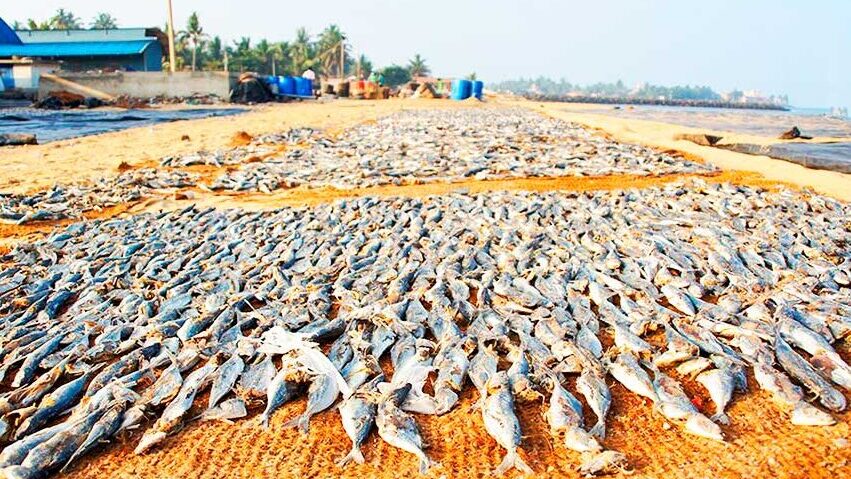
25 54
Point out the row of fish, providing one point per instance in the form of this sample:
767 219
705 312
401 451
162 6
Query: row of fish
409 147
257 148
71 201
449 146
111 325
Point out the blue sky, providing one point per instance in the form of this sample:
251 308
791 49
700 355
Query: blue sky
801 48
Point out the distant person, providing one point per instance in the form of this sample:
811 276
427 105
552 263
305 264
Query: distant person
380 79
309 74
373 77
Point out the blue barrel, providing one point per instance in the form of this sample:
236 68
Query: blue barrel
286 85
461 89
478 89
303 86
272 83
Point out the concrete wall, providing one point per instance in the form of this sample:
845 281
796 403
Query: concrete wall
148 84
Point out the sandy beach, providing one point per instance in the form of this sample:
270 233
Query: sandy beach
761 443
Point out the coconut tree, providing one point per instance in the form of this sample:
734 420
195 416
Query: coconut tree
280 56
64 20
263 52
417 66
329 49
194 35
104 21
363 67
214 54
303 51
34 25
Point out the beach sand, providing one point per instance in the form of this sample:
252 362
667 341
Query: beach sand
760 441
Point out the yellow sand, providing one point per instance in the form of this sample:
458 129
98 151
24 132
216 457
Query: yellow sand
26 168
661 135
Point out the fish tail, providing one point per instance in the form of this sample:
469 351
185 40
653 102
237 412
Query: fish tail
301 422
512 459
721 418
72 459
599 430
424 464
354 455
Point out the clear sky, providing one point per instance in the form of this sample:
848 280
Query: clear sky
801 48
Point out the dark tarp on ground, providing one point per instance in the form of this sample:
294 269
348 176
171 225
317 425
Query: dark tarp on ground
820 156
251 90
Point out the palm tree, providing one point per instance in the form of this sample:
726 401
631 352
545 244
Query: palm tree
194 34
64 20
329 46
33 25
104 21
417 66
214 54
280 51
302 51
363 67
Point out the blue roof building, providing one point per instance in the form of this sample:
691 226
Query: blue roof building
130 49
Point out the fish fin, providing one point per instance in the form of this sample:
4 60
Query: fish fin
721 418
598 430
512 459
354 455
301 422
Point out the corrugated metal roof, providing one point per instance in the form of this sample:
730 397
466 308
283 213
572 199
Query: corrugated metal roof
71 36
76 49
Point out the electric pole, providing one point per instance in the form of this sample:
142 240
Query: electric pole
172 63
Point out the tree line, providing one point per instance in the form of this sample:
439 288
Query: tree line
563 87
195 49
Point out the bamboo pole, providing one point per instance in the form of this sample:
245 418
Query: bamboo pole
75 87
172 62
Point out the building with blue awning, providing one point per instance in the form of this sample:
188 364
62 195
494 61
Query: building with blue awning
128 49
25 54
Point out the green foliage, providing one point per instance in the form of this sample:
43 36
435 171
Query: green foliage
197 50
396 75
548 86
64 20
417 67
193 36
104 21
363 67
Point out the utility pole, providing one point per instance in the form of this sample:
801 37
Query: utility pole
172 62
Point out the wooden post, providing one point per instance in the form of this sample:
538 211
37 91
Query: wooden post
172 62
342 60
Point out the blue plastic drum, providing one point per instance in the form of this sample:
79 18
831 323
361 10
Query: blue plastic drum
478 89
286 86
461 89
303 87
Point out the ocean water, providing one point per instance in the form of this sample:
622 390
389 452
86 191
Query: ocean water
59 125
769 123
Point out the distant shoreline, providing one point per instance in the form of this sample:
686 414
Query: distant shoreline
643 101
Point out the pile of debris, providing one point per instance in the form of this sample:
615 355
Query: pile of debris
60 100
